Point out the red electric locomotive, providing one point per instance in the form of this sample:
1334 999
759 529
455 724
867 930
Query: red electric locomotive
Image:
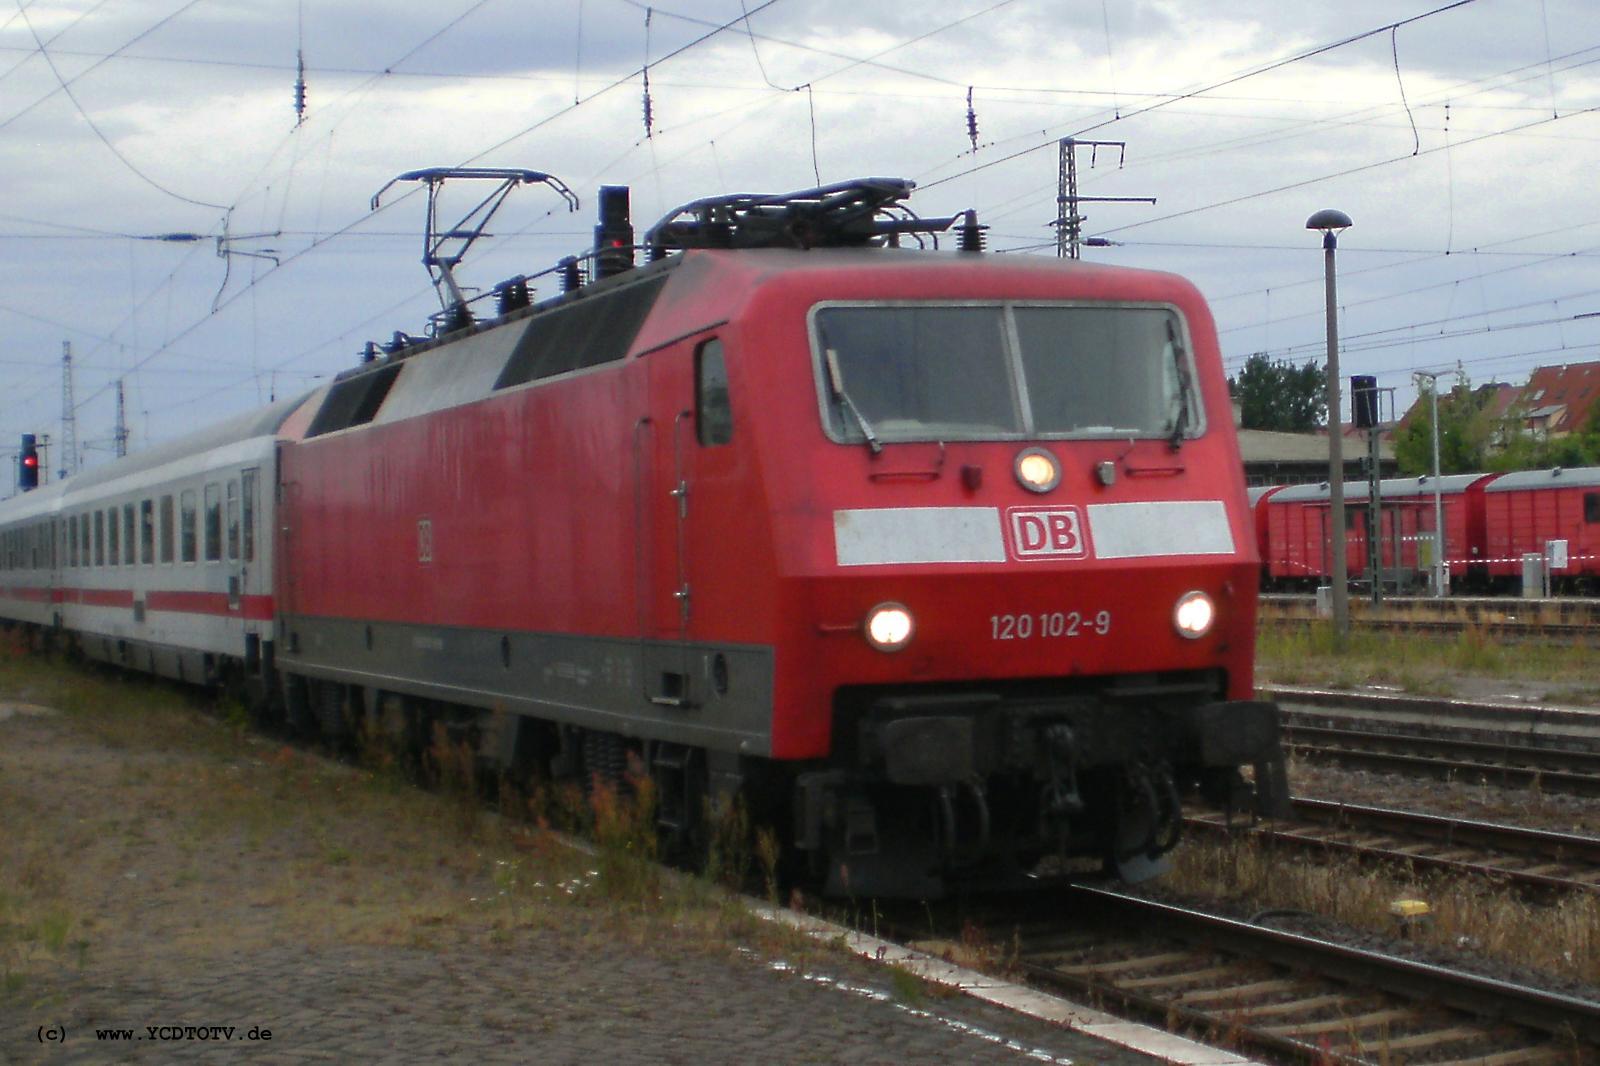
947 554
941 559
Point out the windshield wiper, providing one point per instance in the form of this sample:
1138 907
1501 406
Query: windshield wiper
842 398
1180 422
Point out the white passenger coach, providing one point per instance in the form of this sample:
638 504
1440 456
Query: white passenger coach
161 561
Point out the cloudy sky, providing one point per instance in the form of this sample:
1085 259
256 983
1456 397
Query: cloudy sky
1462 138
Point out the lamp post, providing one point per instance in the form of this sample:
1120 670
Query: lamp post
1439 587
1331 223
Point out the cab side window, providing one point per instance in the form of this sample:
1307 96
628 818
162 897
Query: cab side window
712 408
1591 507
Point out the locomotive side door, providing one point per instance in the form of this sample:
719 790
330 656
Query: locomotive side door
667 442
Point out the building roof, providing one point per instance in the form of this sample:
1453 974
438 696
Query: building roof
1574 388
1260 445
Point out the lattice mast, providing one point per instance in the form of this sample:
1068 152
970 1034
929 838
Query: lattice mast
121 433
1069 223
69 415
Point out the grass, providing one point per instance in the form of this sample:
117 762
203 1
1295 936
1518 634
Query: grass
1466 914
139 821
1310 653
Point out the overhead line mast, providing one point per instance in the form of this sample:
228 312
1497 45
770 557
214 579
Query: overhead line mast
69 415
1068 221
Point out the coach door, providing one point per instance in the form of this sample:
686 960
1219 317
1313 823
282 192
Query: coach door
671 439
247 578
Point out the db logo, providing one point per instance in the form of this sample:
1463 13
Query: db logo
1047 533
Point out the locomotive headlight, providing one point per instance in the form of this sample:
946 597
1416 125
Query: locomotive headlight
1037 470
889 627
1194 614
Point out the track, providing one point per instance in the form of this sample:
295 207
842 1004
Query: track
1534 861
1515 745
1296 998
1486 762
1571 620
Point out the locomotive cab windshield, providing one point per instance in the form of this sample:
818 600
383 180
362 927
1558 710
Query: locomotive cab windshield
1003 371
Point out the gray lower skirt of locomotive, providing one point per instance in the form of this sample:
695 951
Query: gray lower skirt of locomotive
717 697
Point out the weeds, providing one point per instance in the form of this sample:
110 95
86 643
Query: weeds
1562 939
1310 653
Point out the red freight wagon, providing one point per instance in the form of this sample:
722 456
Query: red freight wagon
1258 495
1298 552
1412 523
1524 512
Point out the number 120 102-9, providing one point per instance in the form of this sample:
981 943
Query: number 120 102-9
1048 624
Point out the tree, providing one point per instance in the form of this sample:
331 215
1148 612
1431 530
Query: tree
1278 395
1465 427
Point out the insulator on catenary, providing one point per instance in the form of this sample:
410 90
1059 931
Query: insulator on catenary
300 89
972 121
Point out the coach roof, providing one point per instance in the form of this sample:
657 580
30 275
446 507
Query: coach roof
262 422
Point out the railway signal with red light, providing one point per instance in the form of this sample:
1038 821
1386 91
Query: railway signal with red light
28 473
613 237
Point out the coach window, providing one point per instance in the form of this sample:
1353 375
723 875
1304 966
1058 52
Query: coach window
128 534
147 531
168 532
233 520
188 523
100 538
72 541
113 540
248 499
84 538
713 413
213 522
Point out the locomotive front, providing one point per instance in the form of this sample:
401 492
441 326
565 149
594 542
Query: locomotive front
1016 567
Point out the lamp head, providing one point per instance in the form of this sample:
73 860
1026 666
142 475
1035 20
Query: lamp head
1328 221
